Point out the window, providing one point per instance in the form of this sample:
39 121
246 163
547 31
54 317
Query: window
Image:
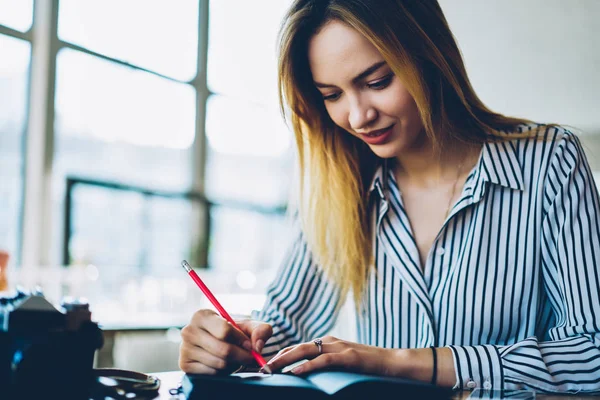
165 129
14 71
249 148
157 35
118 228
126 112
16 14
118 123
133 125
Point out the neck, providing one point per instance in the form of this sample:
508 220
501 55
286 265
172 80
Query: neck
424 166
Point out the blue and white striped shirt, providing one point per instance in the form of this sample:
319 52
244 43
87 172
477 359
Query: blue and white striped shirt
511 283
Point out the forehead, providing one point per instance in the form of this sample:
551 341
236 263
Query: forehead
337 53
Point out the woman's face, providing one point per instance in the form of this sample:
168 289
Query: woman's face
361 93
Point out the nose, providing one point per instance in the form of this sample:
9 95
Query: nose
362 114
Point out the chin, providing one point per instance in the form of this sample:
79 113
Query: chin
386 151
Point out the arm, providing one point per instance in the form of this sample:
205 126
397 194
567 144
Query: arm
301 303
418 365
570 257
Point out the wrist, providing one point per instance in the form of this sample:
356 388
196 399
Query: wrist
412 364
399 363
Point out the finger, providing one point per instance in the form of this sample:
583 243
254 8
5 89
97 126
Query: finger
347 359
201 316
191 354
297 353
196 368
219 327
196 336
210 321
218 348
259 333
225 350
281 352
225 331
190 362
191 334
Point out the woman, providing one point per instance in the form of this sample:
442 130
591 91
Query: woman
468 239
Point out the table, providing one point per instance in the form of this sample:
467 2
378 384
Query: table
171 380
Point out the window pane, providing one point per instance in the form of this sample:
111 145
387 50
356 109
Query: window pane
112 229
250 241
99 239
119 124
249 146
15 55
251 44
118 117
236 127
249 152
16 14
155 34
173 231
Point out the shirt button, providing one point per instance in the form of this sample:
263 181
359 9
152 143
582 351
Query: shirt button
441 251
487 385
471 384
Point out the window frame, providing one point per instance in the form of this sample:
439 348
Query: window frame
36 231
37 235
28 37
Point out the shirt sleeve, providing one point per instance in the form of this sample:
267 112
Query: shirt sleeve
301 304
570 248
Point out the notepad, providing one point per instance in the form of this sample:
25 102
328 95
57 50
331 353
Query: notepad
313 386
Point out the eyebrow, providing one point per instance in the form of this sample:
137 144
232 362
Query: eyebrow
358 77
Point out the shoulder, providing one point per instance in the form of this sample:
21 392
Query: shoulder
538 132
538 145
532 155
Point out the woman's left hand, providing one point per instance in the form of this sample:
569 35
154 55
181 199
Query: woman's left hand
336 353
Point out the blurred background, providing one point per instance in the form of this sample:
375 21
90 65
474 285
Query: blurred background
138 133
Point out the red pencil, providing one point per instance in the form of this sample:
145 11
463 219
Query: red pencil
261 361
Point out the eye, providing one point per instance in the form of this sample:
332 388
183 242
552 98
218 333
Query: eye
382 83
332 97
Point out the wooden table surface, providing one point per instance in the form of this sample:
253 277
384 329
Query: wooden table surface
171 380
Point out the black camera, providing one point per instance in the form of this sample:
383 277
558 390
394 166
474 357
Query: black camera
46 350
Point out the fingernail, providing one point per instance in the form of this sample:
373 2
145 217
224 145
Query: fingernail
259 345
247 345
267 369
297 370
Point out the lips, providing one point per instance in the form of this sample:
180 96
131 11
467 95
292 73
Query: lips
377 132
377 137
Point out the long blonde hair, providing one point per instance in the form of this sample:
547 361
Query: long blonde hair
335 167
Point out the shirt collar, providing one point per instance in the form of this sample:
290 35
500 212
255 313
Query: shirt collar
379 180
498 164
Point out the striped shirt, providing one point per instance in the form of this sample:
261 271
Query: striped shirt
511 284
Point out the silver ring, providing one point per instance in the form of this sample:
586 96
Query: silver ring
319 344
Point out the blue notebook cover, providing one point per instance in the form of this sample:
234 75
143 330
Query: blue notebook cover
314 386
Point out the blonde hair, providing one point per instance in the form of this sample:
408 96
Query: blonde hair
335 167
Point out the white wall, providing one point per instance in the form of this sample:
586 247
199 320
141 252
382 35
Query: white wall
538 59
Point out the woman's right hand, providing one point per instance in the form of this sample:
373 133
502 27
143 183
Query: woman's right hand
211 345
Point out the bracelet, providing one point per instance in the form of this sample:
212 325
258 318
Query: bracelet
434 374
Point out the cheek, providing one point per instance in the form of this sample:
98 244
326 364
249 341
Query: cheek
413 117
402 106
410 113
399 103
338 116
